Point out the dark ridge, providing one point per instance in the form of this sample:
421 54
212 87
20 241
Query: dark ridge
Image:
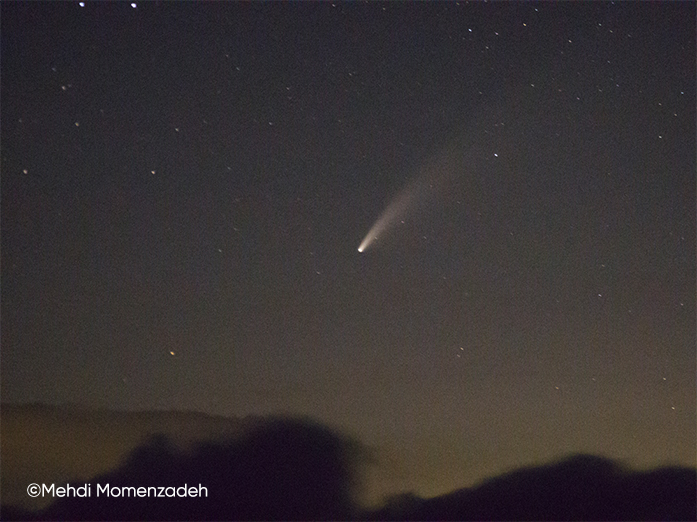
582 487
296 469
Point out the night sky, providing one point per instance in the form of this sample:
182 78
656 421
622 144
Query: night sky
185 187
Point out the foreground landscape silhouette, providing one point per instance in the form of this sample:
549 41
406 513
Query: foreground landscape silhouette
296 469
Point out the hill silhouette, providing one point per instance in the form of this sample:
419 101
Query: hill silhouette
296 469
582 487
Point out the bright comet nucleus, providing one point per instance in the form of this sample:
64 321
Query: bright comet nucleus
366 242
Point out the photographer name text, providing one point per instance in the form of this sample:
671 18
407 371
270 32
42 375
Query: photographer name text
107 490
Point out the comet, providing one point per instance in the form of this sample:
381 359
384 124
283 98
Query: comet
433 176
395 210
454 169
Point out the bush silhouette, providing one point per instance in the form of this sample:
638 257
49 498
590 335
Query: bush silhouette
282 469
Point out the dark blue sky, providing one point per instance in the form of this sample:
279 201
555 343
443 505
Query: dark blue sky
185 185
